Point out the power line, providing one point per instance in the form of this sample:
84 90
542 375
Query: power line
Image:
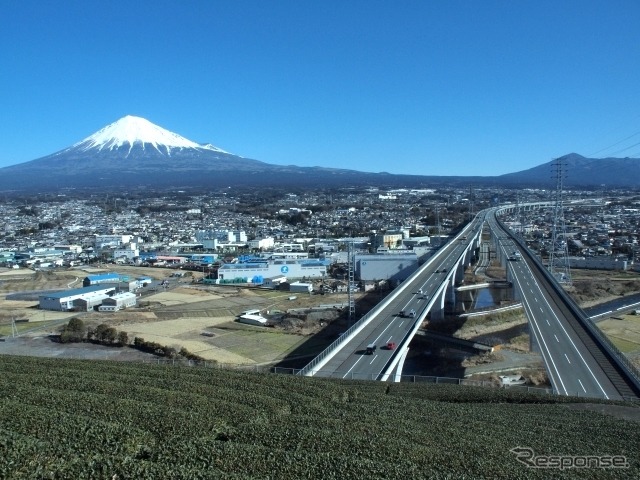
615 144
627 148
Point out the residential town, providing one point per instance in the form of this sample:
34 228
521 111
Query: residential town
267 238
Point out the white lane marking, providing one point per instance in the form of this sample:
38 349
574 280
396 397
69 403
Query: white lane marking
585 390
390 338
570 340
628 306
353 366
548 322
556 338
541 310
543 344
401 323
373 359
381 333
567 358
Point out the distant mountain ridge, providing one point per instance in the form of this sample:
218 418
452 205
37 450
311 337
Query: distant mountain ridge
133 152
580 171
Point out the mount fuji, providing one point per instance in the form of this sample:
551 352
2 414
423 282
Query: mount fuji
130 132
133 152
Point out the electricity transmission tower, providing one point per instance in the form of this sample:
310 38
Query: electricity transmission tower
351 284
559 253
518 213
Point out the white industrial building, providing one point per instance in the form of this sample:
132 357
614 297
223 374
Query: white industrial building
64 301
68 248
289 247
256 272
111 240
118 301
89 303
261 243
232 236
128 251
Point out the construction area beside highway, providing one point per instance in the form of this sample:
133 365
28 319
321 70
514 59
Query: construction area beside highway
203 320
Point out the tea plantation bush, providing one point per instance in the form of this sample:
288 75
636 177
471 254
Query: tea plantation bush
73 419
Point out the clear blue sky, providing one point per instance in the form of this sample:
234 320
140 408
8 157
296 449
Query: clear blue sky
414 86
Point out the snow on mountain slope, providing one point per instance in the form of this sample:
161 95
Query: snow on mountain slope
130 130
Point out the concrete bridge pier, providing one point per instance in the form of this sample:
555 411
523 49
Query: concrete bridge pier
450 292
469 256
437 309
458 276
501 257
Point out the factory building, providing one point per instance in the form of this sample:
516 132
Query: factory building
64 301
256 272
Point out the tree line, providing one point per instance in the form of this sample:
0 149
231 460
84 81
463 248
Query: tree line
76 331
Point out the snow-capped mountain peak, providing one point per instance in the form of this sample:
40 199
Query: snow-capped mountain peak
130 130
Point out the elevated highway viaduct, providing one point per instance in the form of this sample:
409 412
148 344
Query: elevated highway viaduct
578 359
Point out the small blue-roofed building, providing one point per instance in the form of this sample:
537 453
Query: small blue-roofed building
101 278
63 301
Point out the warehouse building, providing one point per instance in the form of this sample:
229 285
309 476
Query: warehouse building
101 278
90 302
118 301
63 301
